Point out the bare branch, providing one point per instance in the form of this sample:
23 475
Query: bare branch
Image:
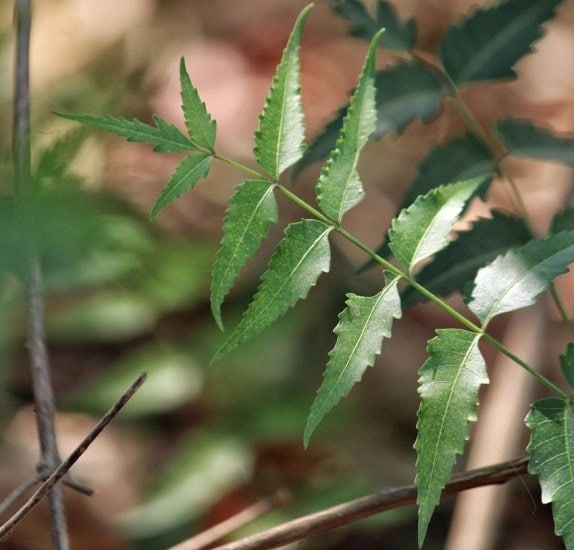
61 470
360 508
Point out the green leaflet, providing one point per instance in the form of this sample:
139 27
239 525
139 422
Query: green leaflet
422 229
563 220
487 43
567 364
523 138
551 452
280 138
298 261
456 265
513 281
448 385
186 175
339 187
398 35
165 137
251 209
362 326
197 120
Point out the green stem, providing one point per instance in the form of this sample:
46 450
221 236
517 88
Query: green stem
241 167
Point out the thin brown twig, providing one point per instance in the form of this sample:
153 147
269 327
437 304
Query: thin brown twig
387 499
64 466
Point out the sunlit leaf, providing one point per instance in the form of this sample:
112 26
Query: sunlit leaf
165 137
513 281
423 228
199 124
251 209
279 140
297 263
523 138
189 171
339 187
551 452
486 44
448 385
362 326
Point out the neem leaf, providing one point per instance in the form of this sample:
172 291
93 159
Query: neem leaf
523 138
280 138
186 175
298 261
251 209
563 220
197 120
165 137
487 43
456 265
423 228
551 452
448 385
567 364
513 281
362 326
339 187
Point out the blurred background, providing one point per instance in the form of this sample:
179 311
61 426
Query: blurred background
202 442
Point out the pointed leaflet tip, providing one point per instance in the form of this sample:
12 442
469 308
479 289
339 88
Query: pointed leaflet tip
280 137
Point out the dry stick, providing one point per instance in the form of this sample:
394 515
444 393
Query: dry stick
63 468
387 499
40 367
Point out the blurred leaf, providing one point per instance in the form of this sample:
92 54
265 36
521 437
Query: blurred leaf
280 138
456 265
551 452
448 385
251 209
54 161
486 44
567 364
523 138
563 220
513 281
422 229
339 187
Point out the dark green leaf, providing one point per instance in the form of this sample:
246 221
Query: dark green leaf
339 187
551 451
186 175
362 326
563 220
197 120
486 44
165 137
280 138
251 209
297 263
523 138
456 265
567 364
423 229
448 385
513 281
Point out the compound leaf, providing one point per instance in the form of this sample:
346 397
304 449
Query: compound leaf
279 140
488 42
551 452
165 137
455 266
186 175
567 364
339 187
298 261
448 385
423 228
513 281
198 121
251 209
362 326
523 138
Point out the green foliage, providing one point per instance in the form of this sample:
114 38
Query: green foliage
448 385
551 452
497 262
